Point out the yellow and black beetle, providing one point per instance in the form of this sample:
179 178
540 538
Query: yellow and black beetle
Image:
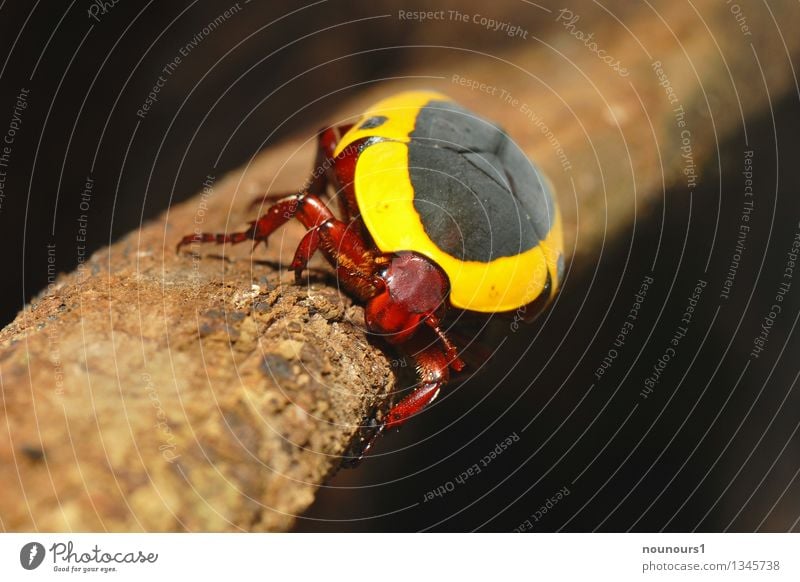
440 210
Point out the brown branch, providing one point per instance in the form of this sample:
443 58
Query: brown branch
162 392
159 392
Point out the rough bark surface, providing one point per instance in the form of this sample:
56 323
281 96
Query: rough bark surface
151 391
159 392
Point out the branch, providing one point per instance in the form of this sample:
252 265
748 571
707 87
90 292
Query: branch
159 392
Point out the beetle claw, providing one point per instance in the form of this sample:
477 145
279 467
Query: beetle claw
257 242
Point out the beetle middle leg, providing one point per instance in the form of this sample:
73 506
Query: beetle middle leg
355 262
434 356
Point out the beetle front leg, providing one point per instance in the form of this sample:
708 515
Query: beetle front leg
450 349
343 247
355 262
433 368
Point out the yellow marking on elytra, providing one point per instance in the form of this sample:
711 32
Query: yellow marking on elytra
401 114
385 197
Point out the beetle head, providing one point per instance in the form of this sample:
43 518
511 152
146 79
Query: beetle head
414 288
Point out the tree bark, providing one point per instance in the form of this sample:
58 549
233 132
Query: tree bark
156 391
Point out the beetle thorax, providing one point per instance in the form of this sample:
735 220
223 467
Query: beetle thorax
414 288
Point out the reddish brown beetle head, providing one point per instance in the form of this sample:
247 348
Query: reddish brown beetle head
415 288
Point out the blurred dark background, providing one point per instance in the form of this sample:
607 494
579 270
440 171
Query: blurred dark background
715 445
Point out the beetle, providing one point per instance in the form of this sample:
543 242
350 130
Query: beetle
440 213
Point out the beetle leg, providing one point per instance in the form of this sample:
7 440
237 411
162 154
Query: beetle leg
450 349
277 215
433 368
327 140
305 250
355 262
270 198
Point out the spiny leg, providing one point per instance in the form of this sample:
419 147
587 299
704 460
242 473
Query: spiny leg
270 199
433 369
356 263
277 215
305 250
327 140
450 349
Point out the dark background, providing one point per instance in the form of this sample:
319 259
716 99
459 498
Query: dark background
714 447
